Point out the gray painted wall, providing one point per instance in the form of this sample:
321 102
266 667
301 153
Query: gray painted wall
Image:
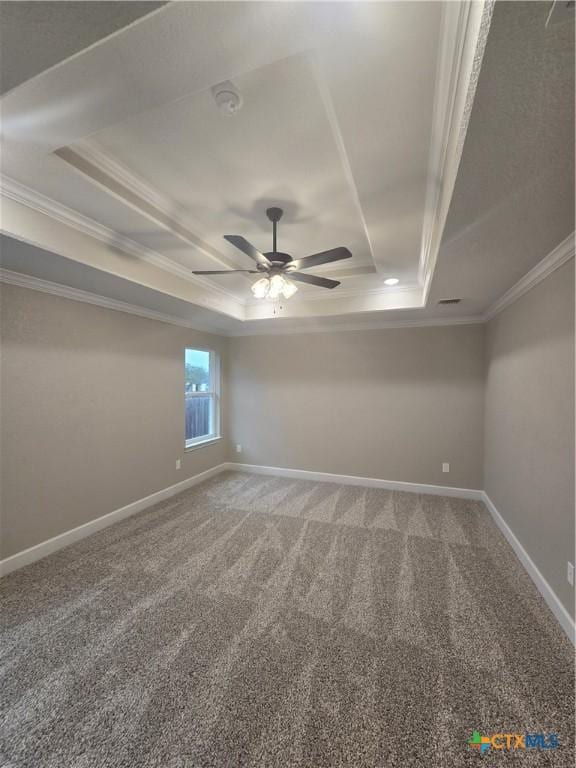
529 438
391 404
92 413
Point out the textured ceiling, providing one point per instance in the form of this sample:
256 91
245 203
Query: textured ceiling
514 197
145 95
35 36
336 128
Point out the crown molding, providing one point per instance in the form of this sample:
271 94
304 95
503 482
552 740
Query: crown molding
20 193
86 297
21 280
556 258
11 189
465 27
376 325
91 150
108 174
121 177
124 177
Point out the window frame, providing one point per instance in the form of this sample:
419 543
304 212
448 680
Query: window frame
213 392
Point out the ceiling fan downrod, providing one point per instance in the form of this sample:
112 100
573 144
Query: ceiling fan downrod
278 266
274 215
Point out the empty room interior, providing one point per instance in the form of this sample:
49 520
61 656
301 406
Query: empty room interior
287 384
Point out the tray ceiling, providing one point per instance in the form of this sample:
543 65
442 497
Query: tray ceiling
353 120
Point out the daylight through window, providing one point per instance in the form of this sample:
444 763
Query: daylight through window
201 396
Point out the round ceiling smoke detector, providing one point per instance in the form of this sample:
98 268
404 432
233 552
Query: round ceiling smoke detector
227 97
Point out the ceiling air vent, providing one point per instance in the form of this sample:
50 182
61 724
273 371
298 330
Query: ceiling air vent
449 301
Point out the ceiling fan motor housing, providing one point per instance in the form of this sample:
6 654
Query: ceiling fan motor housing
275 263
278 258
274 214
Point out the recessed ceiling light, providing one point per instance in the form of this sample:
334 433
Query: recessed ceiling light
391 281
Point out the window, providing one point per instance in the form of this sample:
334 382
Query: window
202 412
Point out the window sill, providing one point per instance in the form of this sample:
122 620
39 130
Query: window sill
202 444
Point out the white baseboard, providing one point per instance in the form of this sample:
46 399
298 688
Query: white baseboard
561 614
370 482
37 552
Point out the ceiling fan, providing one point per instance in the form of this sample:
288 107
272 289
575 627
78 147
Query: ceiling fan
277 266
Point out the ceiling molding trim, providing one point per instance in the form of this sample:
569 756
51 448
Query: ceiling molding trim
561 254
76 294
360 326
92 151
341 148
556 258
109 175
465 28
20 193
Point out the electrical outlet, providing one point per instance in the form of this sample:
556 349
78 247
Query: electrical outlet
570 574
238 448
445 467
178 464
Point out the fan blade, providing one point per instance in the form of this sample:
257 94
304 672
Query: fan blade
223 271
325 257
248 249
321 282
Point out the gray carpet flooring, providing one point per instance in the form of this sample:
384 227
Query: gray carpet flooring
258 621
